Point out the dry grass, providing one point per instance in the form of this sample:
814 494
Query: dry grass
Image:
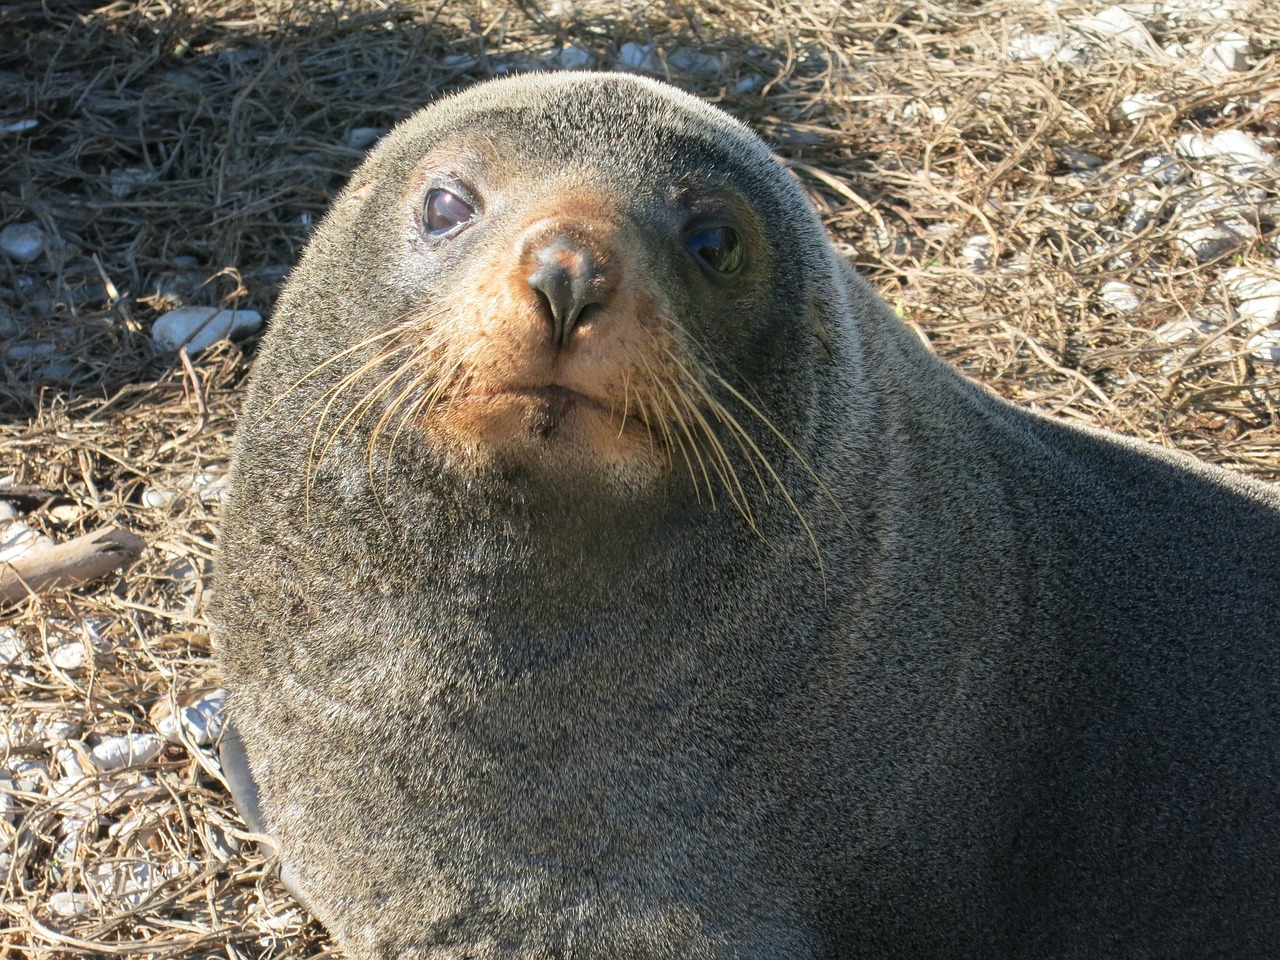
180 153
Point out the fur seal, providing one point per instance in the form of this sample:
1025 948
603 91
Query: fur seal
608 573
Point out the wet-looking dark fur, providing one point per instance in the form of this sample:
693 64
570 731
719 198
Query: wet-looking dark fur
977 685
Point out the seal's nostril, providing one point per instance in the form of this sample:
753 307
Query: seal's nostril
569 280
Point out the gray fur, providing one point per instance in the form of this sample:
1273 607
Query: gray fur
1025 706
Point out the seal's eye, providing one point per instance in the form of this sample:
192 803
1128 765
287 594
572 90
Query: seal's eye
720 248
445 210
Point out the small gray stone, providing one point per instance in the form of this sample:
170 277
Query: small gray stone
573 57
637 56
695 62
198 327
362 138
23 242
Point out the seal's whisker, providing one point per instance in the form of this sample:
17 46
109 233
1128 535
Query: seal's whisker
778 481
737 493
626 397
352 417
673 414
721 461
791 448
329 396
324 364
425 401
656 415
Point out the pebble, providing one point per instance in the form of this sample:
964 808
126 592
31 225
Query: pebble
8 322
1229 55
1079 160
158 497
1213 241
1120 296
21 126
68 656
121 183
977 251
1034 46
1163 169
200 720
1265 345
695 62
748 84
573 57
17 540
362 138
1257 297
64 904
1233 146
23 242
1116 24
916 110
198 327
1136 106
125 750
637 56
29 351
1183 329
11 646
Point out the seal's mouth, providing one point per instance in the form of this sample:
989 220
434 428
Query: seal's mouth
551 396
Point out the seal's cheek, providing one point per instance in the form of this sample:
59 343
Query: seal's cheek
557 345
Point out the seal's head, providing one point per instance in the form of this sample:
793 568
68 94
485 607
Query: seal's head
566 276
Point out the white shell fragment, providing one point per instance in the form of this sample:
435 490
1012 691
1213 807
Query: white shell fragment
125 750
1183 330
201 720
1119 27
17 540
64 904
1233 146
1208 242
23 242
1120 296
1229 55
1139 105
1265 345
1034 46
198 327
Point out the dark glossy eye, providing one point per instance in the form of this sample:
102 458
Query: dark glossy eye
445 210
720 248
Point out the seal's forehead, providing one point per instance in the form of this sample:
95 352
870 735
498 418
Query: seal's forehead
590 119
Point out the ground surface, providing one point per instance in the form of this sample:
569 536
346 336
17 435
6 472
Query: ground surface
1077 208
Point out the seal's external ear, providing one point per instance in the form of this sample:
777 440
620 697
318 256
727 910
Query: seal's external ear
822 308
814 313
355 194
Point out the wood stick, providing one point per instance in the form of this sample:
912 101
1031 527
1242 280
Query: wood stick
68 564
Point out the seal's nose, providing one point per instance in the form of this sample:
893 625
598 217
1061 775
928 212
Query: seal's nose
570 280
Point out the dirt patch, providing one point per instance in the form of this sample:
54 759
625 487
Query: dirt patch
1078 209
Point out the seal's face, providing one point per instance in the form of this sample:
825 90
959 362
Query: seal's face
549 297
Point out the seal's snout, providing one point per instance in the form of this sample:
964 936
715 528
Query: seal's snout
569 280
